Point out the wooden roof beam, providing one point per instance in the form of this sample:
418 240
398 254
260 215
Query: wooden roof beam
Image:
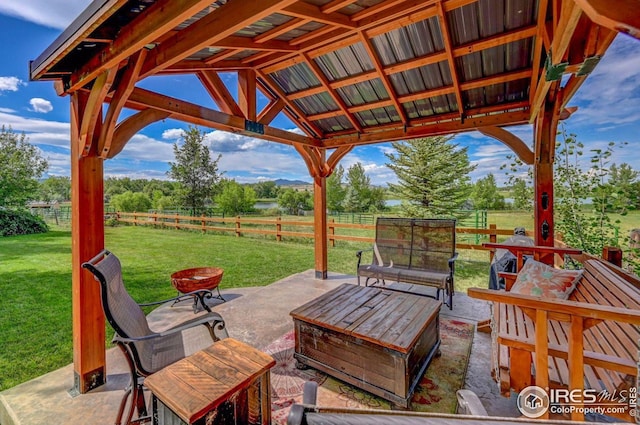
335 5
563 32
219 92
246 43
448 47
434 129
314 13
537 47
118 100
622 17
415 9
301 119
149 26
280 30
247 96
335 96
141 99
227 19
270 111
375 60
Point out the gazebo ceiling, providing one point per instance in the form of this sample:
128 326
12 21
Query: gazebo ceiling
346 72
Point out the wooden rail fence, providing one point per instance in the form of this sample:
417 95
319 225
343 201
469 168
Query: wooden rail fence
285 228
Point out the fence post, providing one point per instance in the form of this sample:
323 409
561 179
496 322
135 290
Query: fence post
204 226
238 226
135 219
155 219
332 232
493 238
278 229
177 221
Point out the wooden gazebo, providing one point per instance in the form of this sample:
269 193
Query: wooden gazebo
346 72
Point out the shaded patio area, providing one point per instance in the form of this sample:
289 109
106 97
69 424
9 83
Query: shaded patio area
256 316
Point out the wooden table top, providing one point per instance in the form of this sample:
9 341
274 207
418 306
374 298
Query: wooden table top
392 319
197 384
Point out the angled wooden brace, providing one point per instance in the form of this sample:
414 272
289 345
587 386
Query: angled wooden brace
120 97
219 93
130 126
93 109
515 143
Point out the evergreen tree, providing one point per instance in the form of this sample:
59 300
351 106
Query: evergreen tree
433 176
360 195
194 170
21 165
336 192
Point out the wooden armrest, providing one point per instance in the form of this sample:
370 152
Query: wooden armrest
562 307
532 249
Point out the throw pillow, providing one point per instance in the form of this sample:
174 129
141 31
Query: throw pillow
541 280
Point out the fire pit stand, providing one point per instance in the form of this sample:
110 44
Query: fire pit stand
198 282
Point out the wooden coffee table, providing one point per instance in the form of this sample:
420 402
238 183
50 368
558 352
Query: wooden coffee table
375 339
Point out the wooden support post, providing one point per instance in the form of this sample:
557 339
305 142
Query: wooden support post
612 255
247 93
545 137
320 225
87 239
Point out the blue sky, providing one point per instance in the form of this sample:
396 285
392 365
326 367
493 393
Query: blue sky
608 102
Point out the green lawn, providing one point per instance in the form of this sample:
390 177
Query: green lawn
35 315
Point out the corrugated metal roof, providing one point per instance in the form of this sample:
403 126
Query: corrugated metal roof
404 75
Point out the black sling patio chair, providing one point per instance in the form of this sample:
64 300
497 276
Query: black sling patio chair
145 350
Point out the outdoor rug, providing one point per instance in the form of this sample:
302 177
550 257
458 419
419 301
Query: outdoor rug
436 391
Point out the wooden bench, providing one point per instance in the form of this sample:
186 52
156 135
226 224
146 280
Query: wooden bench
588 341
414 251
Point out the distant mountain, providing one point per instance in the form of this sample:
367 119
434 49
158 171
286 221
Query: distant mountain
285 182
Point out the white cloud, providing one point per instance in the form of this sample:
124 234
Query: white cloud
172 133
144 148
7 110
39 104
51 13
221 141
10 83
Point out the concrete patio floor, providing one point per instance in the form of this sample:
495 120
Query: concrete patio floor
256 316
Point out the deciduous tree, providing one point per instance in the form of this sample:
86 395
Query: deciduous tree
485 195
21 165
194 170
235 198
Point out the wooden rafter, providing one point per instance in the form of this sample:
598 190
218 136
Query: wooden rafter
622 17
434 129
92 117
562 34
335 5
335 96
122 92
300 119
219 92
247 99
220 56
448 47
270 111
377 64
280 30
314 13
161 17
227 20
537 47
141 99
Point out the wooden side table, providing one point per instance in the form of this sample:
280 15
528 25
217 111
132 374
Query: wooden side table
226 383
